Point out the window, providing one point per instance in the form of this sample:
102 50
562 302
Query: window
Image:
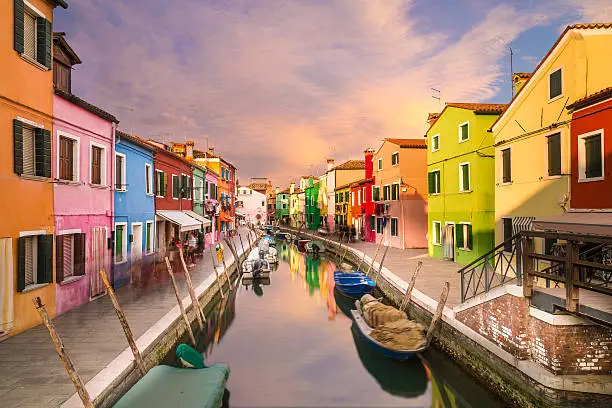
464 132
201 189
387 192
555 84
149 178
380 225
394 227
435 143
160 183
69 256
590 156
120 242
97 161
176 188
352 198
149 237
464 177
359 197
120 175
185 187
379 164
31 149
507 227
506 166
68 158
433 181
32 34
554 154
436 232
464 236
61 76
395 159
35 261
395 188
372 222
346 196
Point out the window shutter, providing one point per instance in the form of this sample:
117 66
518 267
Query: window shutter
45 259
79 255
46 153
18 144
592 148
465 169
39 152
554 155
21 264
555 84
43 42
18 27
459 235
469 236
464 132
59 258
507 168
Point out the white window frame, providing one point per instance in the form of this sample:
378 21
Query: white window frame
380 164
359 197
469 166
76 156
440 178
201 189
398 190
151 238
552 71
34 235
393 154
123 180
582 157
436 238
435 137
123 243
102 163
151 185
352 198
463 224
155 183
179 184
459 131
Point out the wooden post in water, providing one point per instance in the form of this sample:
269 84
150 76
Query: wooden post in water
225 269
382 261
438 314
242 245
194 299
61 352
178 299
249 239
406 299
212 257
124 323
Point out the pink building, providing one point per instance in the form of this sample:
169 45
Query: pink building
83 148
211 207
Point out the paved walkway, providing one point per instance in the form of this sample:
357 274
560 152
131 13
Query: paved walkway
31 373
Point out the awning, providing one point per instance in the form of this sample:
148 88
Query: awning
184 221
239 214
205 221
521 224
584 223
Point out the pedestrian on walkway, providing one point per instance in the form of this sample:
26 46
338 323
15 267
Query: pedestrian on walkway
192 245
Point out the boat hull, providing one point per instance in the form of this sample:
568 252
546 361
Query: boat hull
353 285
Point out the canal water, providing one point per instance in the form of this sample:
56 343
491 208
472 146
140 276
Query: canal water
290 342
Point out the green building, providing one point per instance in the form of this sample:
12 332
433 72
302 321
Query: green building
311 206
199 189
282 206
461 181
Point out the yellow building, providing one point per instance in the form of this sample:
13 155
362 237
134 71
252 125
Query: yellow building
532 138
343 205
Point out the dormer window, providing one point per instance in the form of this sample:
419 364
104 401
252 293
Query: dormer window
64 58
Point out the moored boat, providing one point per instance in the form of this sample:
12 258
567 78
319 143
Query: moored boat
302 244
354 285
315 247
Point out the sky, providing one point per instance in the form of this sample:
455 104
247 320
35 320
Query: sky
279 86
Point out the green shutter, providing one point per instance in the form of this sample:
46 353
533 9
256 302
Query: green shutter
469 236
459 235
554 155
465 170
119 243
39 152
164 185
592 148
555 84
43 42
430 182
18 27
21 264
372 222
46 153
464 132
45 259
17 146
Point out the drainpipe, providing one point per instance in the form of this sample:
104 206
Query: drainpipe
112 197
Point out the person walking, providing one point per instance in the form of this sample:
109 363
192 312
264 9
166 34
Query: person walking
192 245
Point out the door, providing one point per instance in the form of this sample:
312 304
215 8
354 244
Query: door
98 256
448 240
6 286
136 253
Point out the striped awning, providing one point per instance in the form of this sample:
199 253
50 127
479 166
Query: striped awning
521 224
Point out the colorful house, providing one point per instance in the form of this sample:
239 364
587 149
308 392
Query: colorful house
367 202
271 202
322 200
343 206
312 207
461 185
211 207
341 175
533 135
134 209
282 206
251 205
26 114
82 165
294 205
400 192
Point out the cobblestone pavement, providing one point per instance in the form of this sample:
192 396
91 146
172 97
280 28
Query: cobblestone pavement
31 373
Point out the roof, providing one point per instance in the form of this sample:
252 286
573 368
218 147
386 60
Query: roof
62 43
476 107
60 3
361 182
86 105
258 186
408 143
584 223
350 165
135 139
297 191
591 99
588 26
344 186
432 116
285 191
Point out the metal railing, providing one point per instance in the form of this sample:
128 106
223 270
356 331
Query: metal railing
495 268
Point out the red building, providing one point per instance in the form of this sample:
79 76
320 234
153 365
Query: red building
367 203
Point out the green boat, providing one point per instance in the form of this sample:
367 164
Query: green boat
166 386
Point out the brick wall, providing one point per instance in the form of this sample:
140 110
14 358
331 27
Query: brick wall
575 349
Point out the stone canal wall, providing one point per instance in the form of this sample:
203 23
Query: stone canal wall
495 357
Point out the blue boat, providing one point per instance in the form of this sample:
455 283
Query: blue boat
270 240
354 285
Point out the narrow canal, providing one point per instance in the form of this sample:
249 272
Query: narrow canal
290 342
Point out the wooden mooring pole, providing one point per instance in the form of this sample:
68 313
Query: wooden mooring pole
180 302
382 261
375 255
438 314
408 295
212 257
242 245
124 324
61 352
194 299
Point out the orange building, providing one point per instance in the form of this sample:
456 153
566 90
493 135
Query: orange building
26 118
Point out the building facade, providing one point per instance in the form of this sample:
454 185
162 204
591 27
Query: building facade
251 204
461 182
282 206
211 207
341 175
342 198
367 203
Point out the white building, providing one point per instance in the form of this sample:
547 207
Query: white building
251 205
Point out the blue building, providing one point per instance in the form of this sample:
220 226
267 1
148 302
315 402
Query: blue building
134 185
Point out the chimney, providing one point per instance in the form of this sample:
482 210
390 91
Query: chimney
330 164
519 79
277 190
211 150
189 150
369 163
431 117
291 187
